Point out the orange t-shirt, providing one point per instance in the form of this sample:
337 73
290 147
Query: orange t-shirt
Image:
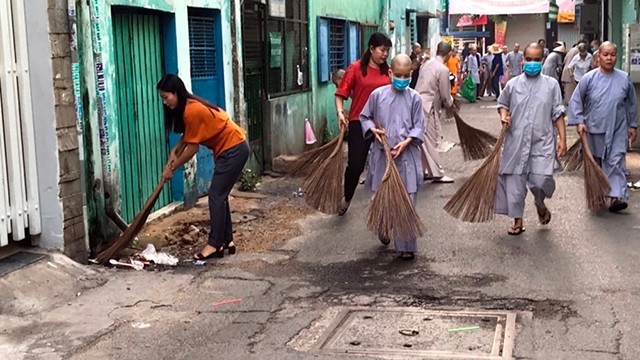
453 65
211 128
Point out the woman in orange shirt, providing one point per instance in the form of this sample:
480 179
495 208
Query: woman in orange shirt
202 123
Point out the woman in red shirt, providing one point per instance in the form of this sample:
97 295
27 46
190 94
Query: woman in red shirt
359 81
202 123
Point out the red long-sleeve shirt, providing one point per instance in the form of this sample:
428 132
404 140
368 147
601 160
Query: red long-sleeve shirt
360 87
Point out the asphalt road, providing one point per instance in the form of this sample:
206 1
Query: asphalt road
572 284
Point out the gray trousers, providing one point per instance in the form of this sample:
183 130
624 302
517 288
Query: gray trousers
512 192
408 245
430 156
229 165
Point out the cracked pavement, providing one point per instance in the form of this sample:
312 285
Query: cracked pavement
572 284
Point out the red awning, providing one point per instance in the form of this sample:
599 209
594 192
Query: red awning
466 20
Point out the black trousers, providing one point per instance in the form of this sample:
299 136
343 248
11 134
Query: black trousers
357 158
495 84
229 165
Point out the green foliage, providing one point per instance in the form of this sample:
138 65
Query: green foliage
248 181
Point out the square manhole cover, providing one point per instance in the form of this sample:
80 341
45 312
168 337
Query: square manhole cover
400 332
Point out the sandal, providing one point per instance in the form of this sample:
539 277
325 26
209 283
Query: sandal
344 206
617 206
407 256
544 216
384 240
219 253
516 230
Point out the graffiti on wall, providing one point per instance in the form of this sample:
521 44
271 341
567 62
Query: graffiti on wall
96 35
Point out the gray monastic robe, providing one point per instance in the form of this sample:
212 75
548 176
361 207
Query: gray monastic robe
553 65
400 114
529 154
607 105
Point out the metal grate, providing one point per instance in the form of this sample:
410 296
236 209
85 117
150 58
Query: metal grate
202 46
337 51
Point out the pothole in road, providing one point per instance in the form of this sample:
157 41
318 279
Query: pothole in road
412 333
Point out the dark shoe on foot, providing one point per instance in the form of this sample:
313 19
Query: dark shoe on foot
231 249
617 206
544 216
344 206
384 240
443 180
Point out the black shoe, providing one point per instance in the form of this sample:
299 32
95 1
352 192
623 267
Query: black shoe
231 249
617 206
219 253
384 240
407 256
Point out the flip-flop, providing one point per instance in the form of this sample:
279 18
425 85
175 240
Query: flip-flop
518 230
442 180
408 256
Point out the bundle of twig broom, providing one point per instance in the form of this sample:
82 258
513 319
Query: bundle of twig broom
308 162
574 159
392 214
475 143
130 233
323 188
596 184
475 200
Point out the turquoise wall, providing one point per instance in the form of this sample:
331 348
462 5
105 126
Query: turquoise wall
368 11
397 14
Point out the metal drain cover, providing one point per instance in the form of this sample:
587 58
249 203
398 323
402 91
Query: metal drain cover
401 332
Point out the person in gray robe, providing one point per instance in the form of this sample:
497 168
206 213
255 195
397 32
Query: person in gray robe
553 64
473 68
434 88
530 105
396 111
604 107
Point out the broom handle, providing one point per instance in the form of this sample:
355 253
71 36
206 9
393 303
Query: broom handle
338 144
585 146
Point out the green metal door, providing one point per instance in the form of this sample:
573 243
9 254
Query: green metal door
141 136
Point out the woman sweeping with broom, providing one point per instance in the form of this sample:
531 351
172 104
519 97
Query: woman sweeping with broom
394 116
360 80
202 123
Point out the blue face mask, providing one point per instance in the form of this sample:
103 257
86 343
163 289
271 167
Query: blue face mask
400 84
532 68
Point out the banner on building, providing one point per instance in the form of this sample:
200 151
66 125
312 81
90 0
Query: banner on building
567 11
468 20
500 32
498 7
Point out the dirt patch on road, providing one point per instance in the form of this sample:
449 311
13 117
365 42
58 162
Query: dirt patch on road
259 224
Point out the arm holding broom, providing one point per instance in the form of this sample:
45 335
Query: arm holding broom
178 159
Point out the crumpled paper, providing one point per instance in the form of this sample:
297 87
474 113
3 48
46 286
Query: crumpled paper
160 258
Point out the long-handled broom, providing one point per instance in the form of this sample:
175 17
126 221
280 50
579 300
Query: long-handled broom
323 187
475 143
596 184
475 200
133 229
392 214
308 162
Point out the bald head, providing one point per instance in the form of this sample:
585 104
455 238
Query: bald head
417 48
534 51
401 60
444 49
609 46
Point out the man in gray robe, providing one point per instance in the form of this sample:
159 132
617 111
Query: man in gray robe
530 105
434 88
553 64
396 110
514 61
604 107
473 67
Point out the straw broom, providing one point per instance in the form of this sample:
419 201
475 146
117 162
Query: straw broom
476 144
474 201
574 159
133 229
392 214
323 187
596 184
308 162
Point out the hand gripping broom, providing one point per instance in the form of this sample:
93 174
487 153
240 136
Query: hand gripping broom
392 214
475 200
130 233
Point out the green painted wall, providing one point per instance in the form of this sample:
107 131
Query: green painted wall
397 14
368 11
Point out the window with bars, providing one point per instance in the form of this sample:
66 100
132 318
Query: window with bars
287 41
202 46
338 45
